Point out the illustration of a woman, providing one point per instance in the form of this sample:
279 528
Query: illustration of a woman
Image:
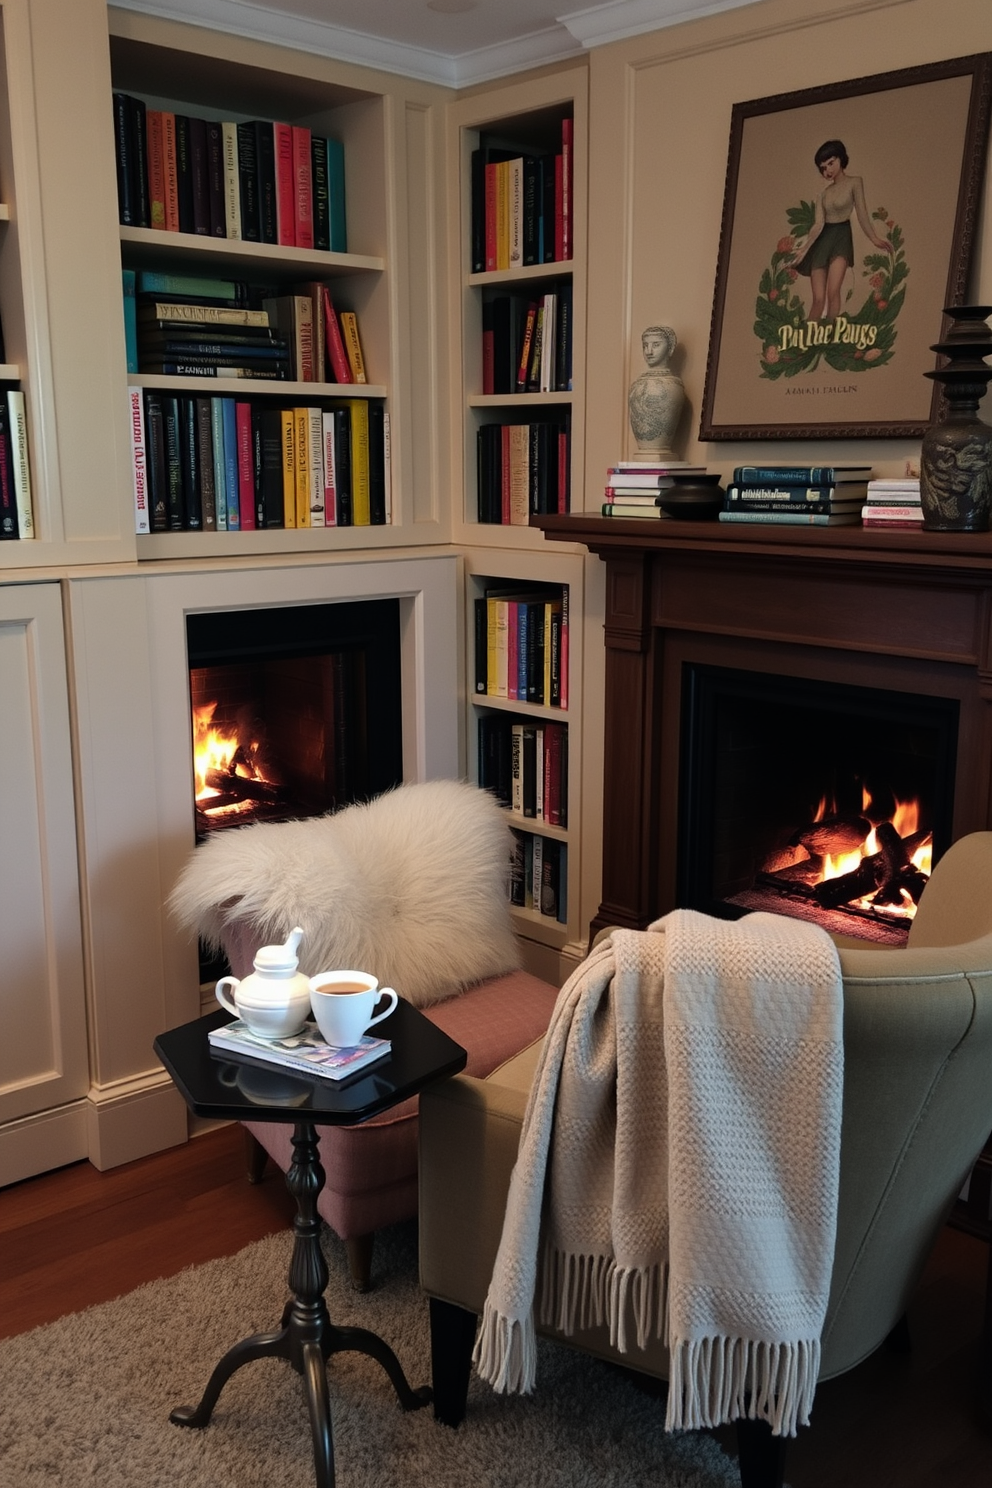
827 251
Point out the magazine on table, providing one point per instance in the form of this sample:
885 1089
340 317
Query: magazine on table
305 1052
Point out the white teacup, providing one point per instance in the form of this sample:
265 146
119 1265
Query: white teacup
343 1003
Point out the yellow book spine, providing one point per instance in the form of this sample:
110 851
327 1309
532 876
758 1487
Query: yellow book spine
361 509
353 345
302 468
503 214
288 467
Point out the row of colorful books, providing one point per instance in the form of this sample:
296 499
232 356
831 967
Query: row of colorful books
521 644
524 762
523 470
539 874
16 508
527 342
225 464
521 210
260 181
797 495
198 326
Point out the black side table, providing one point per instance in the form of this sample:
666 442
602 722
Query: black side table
220 1088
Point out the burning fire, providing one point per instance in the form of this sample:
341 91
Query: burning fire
218 754
905 819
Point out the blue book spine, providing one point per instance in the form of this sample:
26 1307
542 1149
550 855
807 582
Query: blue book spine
336 198
128 281
231 466
798 475
220 461
744 495
522 629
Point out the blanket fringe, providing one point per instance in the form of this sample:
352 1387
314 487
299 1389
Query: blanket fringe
716 1380
579 1292
505 1353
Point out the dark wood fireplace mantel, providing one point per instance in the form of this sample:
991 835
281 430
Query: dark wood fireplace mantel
902 611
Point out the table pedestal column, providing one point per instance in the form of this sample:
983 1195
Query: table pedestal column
306 1336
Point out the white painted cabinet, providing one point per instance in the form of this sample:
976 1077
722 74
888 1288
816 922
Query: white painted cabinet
44 1069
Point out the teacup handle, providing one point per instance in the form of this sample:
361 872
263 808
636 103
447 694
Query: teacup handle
385 992
219 992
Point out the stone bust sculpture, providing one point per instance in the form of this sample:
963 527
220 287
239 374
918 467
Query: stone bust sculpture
655 399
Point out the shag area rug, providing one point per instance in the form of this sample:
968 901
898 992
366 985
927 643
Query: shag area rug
86 1400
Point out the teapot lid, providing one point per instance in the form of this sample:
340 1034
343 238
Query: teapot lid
280 957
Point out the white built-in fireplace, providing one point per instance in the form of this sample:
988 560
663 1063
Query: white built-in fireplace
131 681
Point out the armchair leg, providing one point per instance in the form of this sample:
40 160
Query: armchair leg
452 1338
359 1253
256 1156
761 1456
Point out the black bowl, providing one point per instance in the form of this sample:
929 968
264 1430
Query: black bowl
693 498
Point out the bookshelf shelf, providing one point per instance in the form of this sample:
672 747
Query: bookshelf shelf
256 387
519 400
147 247
530 273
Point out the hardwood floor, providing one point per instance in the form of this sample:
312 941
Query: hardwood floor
75 1237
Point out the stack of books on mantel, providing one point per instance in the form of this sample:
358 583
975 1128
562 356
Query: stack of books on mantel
633 487
893 504
797 495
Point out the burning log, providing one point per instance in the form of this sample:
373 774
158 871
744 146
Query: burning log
832 893
835 835
240 787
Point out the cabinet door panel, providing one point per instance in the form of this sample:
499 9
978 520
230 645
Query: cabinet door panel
43 1057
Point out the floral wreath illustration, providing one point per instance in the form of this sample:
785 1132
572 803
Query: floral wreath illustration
857 339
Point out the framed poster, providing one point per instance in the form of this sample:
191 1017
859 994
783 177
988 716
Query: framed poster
848 221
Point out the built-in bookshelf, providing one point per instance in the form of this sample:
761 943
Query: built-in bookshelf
518 405
218 85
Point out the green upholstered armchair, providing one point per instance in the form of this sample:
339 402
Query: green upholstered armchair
917 1109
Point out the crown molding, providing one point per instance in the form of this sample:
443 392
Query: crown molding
261 23
595 25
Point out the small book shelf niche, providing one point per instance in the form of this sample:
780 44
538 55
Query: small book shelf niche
204 85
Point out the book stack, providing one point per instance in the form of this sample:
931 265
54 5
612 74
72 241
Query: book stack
538 874
524 762
527 342
259 181
189 325
16 509
521 204
523 470
893 504
521 644
797 495
633 487
205 463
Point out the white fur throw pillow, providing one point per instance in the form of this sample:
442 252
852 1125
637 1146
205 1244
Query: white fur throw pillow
411 886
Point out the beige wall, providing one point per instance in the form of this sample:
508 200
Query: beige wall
660 113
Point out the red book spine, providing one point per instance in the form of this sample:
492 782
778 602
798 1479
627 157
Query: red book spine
559 209
567 176
303 179
336 353
171 170
155 131
246 466
490 195
285 185
563 471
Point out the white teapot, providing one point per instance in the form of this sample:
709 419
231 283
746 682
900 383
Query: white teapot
274 1001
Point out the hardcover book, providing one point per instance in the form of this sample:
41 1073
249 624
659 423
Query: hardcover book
336 196
139 460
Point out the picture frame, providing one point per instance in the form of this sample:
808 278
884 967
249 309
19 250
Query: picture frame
830 283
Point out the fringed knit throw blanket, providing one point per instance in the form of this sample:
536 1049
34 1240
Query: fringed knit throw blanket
678 1165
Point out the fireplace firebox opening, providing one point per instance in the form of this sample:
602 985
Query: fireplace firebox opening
820 800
